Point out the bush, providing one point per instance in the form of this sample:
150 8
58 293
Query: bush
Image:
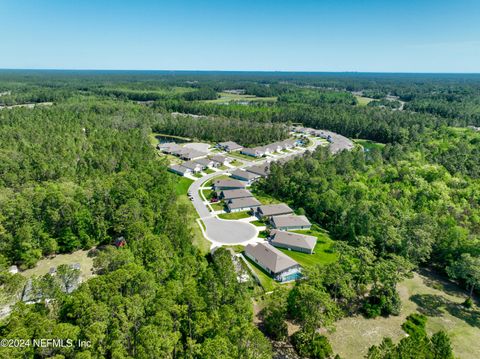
274 322
415 325
311 345
382 301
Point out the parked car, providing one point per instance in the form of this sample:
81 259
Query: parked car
214 200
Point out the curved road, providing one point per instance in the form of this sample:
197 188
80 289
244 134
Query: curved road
219 231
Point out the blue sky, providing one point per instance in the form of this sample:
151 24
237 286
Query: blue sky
281 35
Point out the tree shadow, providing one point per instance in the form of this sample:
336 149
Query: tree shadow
429 304
434 305
436 281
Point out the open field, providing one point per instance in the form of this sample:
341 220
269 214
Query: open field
198 240
423 293
363 101
226 97
322 254
234 215
369 145
43 266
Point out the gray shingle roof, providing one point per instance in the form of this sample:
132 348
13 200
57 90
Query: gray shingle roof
244 175
236 193
218 158
179 169
274 209
293 239
191 165
230 145
237 203
261 170
227 183
191 153
270 257
204 161
290 221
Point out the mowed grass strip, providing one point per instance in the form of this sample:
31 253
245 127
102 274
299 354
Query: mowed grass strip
234 215
323 253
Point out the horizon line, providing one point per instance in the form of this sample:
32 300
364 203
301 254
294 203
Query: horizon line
242 71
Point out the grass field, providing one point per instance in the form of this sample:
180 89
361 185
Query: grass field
242 157
258 223
369 145
43 266
218 206
267 282
234 215
422 293
198 240
182 186
321 255
363 101
229 97
263 197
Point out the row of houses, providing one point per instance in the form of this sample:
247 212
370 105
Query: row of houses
313 132
261 151
184 153
198 165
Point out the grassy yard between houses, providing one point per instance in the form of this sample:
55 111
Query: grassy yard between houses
440 301
258 223
234 215
208 171
263 197
182 186
223 167
268 283
198 175
219 206
322 253
208 193
243 157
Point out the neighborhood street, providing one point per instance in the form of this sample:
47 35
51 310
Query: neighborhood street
219 231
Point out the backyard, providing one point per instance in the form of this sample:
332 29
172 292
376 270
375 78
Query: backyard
234 215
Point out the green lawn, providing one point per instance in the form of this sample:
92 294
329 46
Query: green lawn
242 157
208 171
209 183
208 193
263 197
369 145
217 206
268 283
198 175
234 163
258 223
321 255
363 101
223 167
182 185
226 97
234 215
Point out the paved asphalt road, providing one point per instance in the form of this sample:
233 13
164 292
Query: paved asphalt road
231 232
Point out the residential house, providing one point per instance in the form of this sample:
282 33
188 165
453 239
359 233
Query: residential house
191 154
180 170
262 170
229 146
227 195
220 160
248 177
219 185
270 210
293 241
243 204
205 162
170 147
192 166
254 152
280 266
290 222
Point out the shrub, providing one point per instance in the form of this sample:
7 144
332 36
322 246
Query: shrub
311 345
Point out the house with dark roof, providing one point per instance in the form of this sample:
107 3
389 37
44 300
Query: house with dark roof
270 210
293 241
227 195
170 147
229 146
254 152
248 177
243 204
191 154
205 162
220 160
290 222
280 266
262 170
179 170
192 166
222 184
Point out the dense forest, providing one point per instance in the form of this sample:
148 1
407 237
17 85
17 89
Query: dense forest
81 173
